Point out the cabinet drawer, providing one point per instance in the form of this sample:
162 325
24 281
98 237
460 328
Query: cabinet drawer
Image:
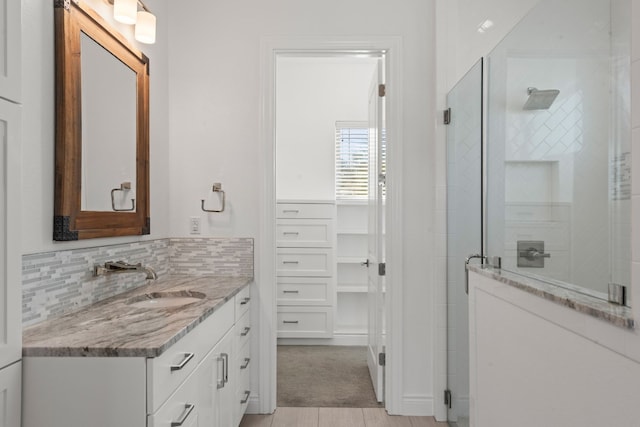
304 233
243 393
305 210
305 291
243 330
305 322
243 299
305 262
165 373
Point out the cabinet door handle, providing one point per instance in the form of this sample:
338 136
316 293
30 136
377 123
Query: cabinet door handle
187 410
291 262
245 331
246 363
220 382
187 358
247 393
290 321
225 356
290 292
292 233
290 210
245 301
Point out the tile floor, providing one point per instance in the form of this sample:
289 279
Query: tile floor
335 417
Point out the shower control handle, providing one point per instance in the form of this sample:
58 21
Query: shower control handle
534 254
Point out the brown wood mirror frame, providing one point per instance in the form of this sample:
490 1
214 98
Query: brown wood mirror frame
72 18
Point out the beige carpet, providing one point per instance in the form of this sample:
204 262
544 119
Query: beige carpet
324 376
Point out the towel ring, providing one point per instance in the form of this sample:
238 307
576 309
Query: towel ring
217 188
123 187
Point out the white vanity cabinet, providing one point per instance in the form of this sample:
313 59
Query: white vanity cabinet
192 383
305 268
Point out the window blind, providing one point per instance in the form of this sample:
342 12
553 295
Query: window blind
352 160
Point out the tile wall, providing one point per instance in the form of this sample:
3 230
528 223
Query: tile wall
56 283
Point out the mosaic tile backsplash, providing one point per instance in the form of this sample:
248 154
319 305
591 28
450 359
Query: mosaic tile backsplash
56 283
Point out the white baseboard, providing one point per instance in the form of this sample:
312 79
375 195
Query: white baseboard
416 405
338 339
254 404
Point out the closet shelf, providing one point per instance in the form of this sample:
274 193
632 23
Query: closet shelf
355 289
352 231
351 259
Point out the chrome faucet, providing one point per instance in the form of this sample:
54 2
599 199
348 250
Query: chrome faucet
122 267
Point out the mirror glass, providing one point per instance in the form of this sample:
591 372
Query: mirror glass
559 145
108 129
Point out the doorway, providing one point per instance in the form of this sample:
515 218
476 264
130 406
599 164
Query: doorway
264 400
329 197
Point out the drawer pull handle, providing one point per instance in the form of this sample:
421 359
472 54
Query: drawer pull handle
245 331
246 363
245 301
295 322
290 292
187 410
291 262
224 358
290 211
247 393
292 233
187 358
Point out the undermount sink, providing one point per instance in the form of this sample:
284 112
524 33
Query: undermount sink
165 299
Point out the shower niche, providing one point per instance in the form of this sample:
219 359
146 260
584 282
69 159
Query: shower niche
559 143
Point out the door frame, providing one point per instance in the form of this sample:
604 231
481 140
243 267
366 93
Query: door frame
265 260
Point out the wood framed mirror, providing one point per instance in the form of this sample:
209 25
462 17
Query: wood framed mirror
102 128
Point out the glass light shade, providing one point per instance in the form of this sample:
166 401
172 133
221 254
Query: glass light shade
145 31
125 11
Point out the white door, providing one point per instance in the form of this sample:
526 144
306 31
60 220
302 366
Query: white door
375 251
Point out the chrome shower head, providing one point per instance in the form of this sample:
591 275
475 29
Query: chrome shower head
540 99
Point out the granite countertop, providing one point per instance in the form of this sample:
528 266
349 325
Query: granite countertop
114 328
580 301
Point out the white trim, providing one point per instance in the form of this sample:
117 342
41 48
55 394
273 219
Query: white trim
265 274
417 405
338 339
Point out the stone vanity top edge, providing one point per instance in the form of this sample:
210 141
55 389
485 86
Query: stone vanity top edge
112 328
620 316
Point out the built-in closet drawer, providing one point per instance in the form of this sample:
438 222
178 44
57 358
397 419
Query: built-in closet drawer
305 291
310 233
305 262
305 322
166 372
305 210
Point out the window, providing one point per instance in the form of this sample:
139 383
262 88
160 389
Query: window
352 160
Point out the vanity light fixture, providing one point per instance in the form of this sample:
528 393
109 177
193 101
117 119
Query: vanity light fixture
126 12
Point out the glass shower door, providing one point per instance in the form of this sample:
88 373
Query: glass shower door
464 230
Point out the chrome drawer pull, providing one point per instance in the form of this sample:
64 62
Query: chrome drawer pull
295 322
291 262
187 358
187 410
245 300
292 233
247 393
225 356
246 363
245 331
290 292
290 211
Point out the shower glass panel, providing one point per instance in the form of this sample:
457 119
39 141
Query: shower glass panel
558 145
464 229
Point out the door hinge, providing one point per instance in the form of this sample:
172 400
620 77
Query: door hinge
447 398
382 359
382 269
382 90
447 116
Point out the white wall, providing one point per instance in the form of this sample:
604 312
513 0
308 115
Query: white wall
215 114
38 127
313 93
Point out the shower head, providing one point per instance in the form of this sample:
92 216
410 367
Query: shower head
540 99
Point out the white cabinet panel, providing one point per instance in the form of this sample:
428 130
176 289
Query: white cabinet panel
10 49
301 233
10 261
243 299
309 262
10 395
305 322
305 210
305 291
